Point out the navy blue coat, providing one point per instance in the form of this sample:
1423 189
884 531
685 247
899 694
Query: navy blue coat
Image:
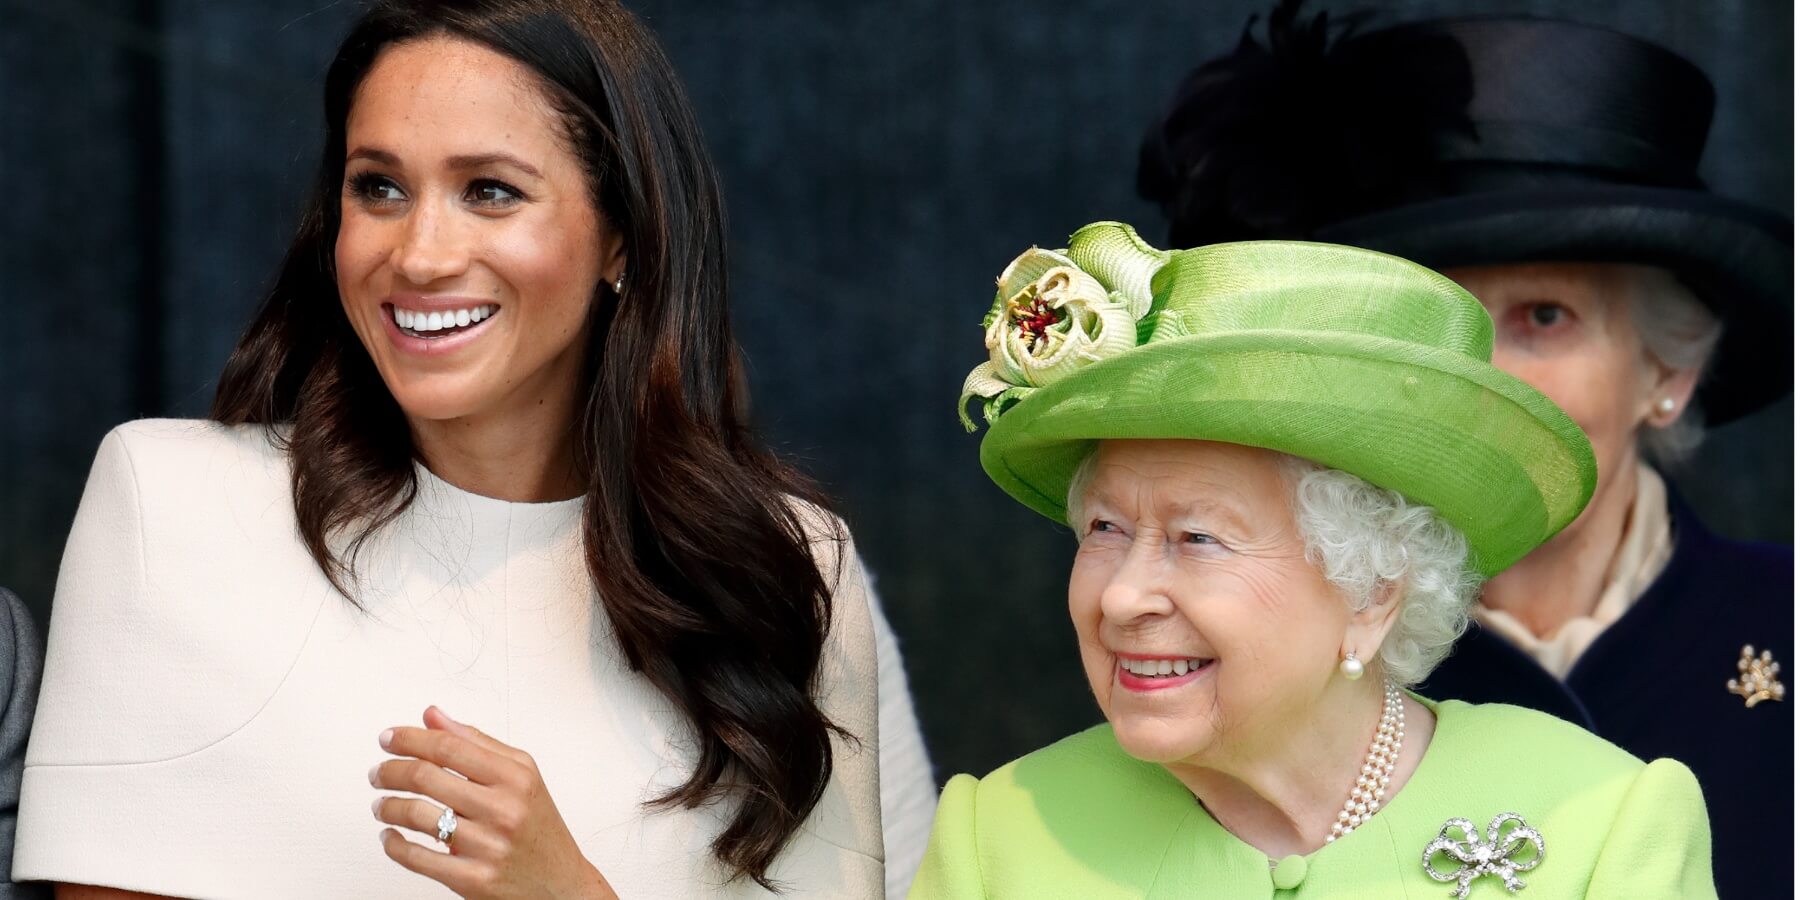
1654 683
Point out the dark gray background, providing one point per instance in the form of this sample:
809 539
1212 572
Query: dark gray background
882 162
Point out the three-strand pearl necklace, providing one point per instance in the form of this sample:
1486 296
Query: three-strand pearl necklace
1378 767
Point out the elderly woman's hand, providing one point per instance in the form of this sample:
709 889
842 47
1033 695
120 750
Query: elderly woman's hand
509 840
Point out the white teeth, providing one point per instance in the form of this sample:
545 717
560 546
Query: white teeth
437 321
1157 668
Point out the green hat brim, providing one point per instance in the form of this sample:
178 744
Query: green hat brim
1495 458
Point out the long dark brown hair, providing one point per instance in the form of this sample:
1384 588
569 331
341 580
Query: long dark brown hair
700 557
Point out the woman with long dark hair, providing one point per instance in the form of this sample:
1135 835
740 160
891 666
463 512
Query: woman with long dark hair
483 450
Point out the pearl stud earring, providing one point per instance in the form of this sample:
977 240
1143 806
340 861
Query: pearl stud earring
1666 405
1351 666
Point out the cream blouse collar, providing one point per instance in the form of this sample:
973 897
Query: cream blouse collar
1640 559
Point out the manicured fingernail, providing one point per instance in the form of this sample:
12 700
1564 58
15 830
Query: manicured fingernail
376 806
387 737
382 837
375 775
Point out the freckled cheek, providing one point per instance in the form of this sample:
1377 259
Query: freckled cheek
357 260
359 253
555 276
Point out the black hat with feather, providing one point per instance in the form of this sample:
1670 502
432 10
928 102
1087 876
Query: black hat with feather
1473 142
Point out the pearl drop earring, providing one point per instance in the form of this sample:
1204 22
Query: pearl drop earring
619 285
1351 666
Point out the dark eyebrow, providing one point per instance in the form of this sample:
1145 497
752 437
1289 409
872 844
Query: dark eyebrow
470 161
479 160
380 156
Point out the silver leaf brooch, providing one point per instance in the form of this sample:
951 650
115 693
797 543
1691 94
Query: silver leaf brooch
1474 857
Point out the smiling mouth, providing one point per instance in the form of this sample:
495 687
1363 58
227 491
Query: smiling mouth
441 324
1173 667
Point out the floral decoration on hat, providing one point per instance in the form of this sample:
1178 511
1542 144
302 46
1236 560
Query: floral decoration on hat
1058 310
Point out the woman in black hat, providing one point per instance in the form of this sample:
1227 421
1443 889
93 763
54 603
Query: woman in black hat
1551 169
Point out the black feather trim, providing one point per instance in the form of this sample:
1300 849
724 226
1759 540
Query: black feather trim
1318 125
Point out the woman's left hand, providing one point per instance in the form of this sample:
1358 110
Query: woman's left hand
510 841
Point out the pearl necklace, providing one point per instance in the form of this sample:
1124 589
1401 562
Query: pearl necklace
1378 767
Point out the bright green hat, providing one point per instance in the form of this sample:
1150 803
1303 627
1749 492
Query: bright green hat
1353 359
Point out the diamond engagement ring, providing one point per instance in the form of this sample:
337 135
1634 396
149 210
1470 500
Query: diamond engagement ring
446 826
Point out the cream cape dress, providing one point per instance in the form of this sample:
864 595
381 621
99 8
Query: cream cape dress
210 705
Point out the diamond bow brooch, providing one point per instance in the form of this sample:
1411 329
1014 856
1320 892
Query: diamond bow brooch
1475 858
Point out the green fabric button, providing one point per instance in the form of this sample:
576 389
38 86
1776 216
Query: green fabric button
1289 873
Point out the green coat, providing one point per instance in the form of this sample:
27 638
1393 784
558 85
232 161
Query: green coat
1081 819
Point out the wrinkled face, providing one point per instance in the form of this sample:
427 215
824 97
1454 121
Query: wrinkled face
1190 562
1566 329
470 250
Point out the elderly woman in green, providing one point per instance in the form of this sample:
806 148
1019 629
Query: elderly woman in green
1289 467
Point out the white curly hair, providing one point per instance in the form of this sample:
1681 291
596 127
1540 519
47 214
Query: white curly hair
1366 540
